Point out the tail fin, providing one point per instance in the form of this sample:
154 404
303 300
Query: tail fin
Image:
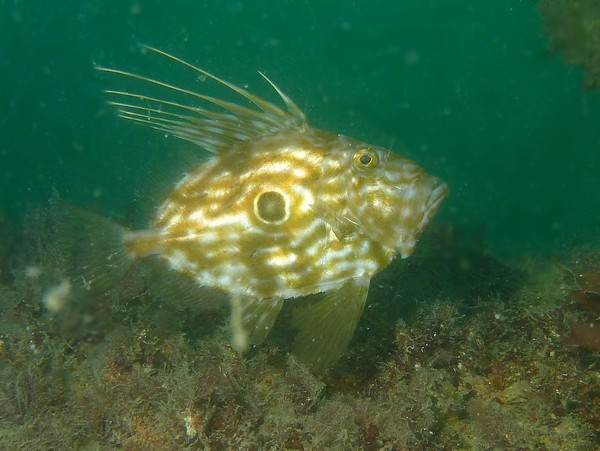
95 252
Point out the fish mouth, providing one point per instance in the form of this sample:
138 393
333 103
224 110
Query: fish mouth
438 194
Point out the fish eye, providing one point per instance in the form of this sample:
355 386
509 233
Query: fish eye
365 158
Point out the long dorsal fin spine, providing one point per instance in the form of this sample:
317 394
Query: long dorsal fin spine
214 130
229 106
261 103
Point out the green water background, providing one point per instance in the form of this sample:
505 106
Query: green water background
467 88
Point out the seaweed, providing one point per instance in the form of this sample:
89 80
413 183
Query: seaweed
573 30
496 360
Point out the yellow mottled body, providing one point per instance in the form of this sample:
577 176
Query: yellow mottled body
280 211
219 231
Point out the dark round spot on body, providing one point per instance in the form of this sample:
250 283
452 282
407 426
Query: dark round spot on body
270 206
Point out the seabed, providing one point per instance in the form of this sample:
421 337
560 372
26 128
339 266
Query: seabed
456 350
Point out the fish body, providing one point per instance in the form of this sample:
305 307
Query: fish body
278 211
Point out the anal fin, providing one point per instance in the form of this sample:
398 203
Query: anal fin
325 327
252 319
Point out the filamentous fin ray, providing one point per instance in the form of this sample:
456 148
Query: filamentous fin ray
198 131
266 106
289 103
326 326
213 133
240 113
213 130
246 121
223 118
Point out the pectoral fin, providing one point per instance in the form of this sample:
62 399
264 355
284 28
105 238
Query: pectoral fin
251 319
325 327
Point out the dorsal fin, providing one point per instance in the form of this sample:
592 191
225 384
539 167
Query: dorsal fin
213 130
